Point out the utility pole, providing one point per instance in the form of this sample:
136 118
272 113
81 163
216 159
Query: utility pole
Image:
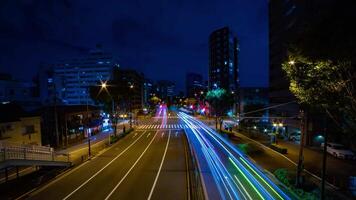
323 175
300 166
87 124
56 116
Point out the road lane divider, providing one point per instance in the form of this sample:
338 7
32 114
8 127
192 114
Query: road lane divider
98 172
128 172
160 168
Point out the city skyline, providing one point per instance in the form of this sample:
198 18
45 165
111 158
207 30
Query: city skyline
134 39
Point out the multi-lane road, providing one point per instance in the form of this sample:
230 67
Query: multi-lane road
152 163
146 164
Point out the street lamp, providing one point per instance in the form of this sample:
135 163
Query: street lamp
104 87
131 87
291 62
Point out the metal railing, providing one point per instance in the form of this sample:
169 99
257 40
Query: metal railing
196 190
10 151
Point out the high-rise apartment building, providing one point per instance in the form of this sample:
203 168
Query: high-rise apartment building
223 60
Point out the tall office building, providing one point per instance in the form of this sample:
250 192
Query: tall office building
223 60
75 76
147 91
194 84
165 89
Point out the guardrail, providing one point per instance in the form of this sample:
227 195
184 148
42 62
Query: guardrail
196 189
29 152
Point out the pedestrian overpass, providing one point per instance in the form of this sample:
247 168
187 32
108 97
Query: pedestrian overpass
15 155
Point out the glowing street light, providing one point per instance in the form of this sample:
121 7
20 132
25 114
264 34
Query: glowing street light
103 85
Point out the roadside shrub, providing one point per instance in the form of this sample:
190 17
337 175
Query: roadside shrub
250 148
279 149
282 176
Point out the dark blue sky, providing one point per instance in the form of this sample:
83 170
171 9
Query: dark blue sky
163 39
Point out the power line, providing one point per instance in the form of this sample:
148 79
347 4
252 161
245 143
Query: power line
274 106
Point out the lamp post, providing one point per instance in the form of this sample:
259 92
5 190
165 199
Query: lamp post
87 124
104 87
131 88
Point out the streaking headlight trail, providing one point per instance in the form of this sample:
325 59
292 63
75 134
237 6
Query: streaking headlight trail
235 176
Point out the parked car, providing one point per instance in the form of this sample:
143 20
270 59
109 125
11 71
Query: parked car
339 151
294 137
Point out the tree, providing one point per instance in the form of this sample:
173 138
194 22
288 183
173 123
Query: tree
321 68
221 102
154 100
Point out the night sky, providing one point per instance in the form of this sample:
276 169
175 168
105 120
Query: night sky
164 39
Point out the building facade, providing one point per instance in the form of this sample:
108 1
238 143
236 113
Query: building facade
194 85
132 82
165 90
23 93
19 127
256 98
223 60
72 77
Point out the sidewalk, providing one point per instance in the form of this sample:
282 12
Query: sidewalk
338 170
271 160
79 151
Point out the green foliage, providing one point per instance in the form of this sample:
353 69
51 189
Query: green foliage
325 84
220 100
323 74
154 100
314 82
249 148
282 175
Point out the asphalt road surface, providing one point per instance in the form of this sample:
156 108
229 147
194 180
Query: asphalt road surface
146 164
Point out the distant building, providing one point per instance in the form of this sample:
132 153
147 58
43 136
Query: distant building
253 96
165 89
148 91
22 93
223 60
72 123
194 85
72 77
134 81
18 126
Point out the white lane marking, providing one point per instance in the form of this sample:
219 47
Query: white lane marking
134 135
127 173
148 135
176 133
156 126
162 134
161 126
160 168
70 194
